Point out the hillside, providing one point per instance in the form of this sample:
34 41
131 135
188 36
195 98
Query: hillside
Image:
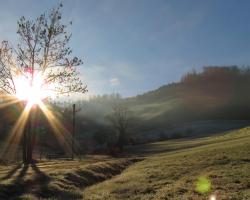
216 93
185 169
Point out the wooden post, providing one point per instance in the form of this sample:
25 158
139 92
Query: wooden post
74 111
73 130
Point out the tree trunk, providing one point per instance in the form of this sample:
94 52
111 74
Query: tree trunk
28 140
29 132
25 146
121 140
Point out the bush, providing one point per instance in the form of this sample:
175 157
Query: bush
176 135
101 137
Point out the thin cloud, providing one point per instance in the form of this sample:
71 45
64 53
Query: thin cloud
114 81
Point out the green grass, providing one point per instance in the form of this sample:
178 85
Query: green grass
173 169
58 179
149 111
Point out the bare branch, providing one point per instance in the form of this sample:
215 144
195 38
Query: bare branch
43 47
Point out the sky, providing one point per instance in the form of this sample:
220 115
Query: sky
133 46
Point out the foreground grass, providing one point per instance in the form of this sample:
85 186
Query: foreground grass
173 171
57 179
163 170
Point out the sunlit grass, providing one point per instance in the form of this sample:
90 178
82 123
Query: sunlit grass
174 171
208 168
57 179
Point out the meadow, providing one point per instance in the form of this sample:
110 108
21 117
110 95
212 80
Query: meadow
215 167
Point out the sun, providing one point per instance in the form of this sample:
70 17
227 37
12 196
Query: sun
34 93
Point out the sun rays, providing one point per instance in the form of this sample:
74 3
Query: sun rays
62 134
15 134
14 139
7 100
31 91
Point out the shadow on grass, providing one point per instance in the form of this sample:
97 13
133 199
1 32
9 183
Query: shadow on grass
17 186
21 175
37 185
11 172
43 187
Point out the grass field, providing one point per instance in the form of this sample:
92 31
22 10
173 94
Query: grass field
216 167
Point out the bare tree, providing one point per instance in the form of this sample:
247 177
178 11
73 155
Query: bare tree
120 120
42 48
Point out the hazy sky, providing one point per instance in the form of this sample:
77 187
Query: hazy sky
132 46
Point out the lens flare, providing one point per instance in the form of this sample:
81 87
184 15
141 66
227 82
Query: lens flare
203 185
212 197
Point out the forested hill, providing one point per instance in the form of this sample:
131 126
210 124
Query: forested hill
215 93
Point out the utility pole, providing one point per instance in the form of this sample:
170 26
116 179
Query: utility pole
73 129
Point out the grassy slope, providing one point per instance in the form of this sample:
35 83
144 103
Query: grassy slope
171 169
57 179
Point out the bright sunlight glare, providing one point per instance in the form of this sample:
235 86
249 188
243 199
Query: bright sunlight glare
34 93
212 197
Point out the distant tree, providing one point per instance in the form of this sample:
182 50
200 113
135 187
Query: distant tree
189 77
43 49
101 136
120 119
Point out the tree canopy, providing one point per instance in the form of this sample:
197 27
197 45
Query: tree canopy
42 49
